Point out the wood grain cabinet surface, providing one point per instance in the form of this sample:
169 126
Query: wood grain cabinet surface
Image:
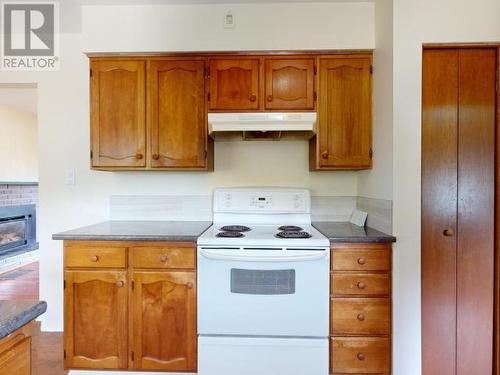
178 114
118 113
15 350
360 309
289 84
344 131
234 84
137 312
150 111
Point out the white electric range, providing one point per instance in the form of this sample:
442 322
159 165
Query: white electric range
263 286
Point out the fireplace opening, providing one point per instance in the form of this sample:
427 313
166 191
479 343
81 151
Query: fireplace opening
17 228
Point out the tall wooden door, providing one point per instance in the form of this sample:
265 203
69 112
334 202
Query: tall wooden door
289 84
458 150
118 113
234 84
164 321
344 110
95 331
178 115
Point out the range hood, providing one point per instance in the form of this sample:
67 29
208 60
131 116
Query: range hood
272 123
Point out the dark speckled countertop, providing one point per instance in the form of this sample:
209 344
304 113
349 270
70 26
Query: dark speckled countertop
347 232
138 231
15 314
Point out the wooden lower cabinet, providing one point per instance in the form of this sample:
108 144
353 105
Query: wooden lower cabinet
164 321
95 319
360 309
130 305
15 351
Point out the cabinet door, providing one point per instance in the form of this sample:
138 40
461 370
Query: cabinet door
95 324
289 84
178 115
234 84
344 132
118 113
164 321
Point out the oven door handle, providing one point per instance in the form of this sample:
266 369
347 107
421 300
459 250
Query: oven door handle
255 258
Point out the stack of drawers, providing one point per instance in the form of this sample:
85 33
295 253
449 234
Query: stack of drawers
360 308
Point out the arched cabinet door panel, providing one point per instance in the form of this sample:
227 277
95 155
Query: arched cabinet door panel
178 114
95 328
118 113
289 84
234 84
164 321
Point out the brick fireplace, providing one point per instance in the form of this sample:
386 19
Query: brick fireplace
17 218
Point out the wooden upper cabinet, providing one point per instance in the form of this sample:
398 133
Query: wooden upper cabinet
234 84
178 114
118 114
95 324
289 84
164 321
344 133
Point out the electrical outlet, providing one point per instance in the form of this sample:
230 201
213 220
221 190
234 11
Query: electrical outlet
228 20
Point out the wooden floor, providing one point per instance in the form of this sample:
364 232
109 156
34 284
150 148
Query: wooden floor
47 353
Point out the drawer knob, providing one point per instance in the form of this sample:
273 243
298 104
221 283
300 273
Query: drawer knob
324 155
448 232
361 317
361 261
252 98
361 285
361 356
94 258
120 283
270 98
156 156
189 285
163 259
139 156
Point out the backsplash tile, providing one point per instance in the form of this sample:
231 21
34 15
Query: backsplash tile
379 213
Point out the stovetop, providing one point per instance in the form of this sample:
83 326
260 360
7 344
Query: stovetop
289 235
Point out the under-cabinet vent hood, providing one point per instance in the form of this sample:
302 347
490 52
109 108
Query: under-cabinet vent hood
259 122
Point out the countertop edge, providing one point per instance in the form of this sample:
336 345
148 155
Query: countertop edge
90 237
22 319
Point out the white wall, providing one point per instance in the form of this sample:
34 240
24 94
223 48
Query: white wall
377 182
18 145
417 22
64 117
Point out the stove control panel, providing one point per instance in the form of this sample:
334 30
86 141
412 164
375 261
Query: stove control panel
265 200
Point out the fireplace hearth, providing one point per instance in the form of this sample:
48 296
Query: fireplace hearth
17 228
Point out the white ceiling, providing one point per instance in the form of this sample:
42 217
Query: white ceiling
21 97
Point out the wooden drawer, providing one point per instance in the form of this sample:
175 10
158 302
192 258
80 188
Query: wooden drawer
80 256
364 355
359 284
17 360
363 259
360 316
163 257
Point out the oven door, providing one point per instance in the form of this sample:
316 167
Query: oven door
263 292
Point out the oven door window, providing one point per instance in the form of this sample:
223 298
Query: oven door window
263 282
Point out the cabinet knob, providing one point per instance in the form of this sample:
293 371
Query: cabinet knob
252 98
94 258
139 156
189 285
120 283
448 232
361 356
270 98
163 259
361 317
156 156
361 285
324 154
361 261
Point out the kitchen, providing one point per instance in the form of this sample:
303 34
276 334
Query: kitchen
394 31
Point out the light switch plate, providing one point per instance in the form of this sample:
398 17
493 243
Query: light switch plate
359 218
229 20
70 177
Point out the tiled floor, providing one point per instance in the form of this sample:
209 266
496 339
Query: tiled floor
47 354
